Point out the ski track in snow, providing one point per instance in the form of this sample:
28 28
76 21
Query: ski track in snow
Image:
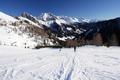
87 63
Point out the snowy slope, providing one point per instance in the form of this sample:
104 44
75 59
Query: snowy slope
87 63
6 17
31 22
9 37
21 32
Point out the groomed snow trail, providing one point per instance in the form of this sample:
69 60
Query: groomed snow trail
87 63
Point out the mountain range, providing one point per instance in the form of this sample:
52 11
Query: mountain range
57 31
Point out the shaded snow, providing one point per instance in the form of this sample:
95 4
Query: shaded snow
87 63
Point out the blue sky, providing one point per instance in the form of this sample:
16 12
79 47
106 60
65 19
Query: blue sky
93 9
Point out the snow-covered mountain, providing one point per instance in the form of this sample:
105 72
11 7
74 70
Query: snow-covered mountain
49 18
22 31
6 17
83 63
50 30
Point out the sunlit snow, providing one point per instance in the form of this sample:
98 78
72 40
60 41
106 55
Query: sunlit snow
87 63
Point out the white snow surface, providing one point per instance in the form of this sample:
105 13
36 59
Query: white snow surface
6 17
87 63
9 37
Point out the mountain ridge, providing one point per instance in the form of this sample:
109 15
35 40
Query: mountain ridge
51 30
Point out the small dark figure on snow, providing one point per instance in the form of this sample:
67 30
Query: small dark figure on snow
74 48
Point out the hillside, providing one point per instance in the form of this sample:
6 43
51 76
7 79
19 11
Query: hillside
57 31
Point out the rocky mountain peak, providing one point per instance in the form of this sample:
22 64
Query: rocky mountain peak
29 16
47 17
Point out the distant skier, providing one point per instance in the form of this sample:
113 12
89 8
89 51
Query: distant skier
60 49
74 48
